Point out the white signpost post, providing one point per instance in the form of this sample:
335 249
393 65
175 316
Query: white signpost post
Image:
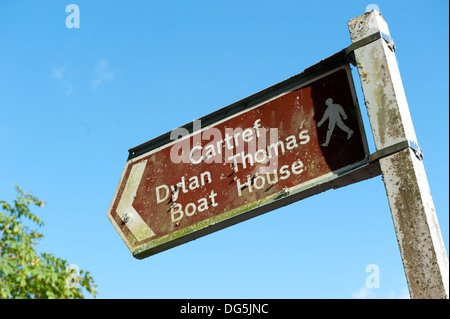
419 237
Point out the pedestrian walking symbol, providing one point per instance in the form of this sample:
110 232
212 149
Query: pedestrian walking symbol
335 115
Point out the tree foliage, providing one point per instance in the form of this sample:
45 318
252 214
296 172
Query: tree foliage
23 272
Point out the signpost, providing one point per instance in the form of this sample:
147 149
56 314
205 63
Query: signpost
293 140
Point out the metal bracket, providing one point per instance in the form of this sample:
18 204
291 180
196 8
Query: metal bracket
389 41
416 149
350 50
395 148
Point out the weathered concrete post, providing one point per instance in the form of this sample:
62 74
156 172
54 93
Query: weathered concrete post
419 237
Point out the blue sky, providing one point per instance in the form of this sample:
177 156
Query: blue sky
73 101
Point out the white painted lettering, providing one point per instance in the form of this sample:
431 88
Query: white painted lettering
161 198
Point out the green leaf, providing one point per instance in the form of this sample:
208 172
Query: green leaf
22 273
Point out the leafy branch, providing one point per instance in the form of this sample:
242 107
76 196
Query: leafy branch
24 273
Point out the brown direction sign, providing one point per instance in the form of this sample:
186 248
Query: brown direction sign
258 154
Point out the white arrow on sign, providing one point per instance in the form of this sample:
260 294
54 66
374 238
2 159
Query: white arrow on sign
125 208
